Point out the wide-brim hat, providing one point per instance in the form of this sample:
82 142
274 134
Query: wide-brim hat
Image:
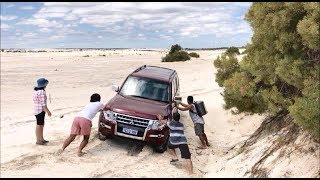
42 82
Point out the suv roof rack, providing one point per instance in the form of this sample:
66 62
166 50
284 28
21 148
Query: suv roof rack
144 66
140 68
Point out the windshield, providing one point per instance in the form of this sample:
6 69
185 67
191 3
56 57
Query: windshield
145 88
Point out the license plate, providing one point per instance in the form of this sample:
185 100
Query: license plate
130 131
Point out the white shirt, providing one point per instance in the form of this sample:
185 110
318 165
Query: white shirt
90 110
195 117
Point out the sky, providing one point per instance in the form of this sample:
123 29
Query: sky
124 24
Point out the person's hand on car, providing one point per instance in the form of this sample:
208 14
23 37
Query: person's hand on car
160 117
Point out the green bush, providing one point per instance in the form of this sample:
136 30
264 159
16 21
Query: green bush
280 67
226 65
193 54
175 48
176 56
305 110
242 93
232 51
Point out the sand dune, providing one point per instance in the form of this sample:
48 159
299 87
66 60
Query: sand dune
73 78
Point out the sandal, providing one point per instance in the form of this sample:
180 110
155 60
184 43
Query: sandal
45 141
174 160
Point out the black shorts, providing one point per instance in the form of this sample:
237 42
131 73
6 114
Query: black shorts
184 149
40 118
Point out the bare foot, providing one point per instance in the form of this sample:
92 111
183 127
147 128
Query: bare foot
59 152
41 143
81 154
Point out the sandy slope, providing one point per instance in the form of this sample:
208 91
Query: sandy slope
73 78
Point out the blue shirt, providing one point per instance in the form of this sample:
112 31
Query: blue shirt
176 135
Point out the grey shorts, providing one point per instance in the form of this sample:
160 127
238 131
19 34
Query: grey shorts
198 128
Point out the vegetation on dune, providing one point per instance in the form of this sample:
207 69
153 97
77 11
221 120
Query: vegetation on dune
232 51
281 67
177 54
193 54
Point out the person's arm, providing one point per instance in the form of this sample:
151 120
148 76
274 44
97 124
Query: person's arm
45 108
185 108
161 119
183 104
101 107
43 99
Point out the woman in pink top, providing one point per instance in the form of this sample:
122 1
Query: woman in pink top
40 108
82 123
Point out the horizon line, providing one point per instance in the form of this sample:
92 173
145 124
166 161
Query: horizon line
222 47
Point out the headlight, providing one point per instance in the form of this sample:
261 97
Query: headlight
154 125
110 116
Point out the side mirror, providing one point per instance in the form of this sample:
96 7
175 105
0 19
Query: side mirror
178 99
115 88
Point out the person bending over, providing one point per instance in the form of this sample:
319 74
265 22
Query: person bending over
82 123
177 139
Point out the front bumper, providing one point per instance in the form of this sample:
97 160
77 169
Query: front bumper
144 134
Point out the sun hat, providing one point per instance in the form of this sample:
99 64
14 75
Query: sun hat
42 82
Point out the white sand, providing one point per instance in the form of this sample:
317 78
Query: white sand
73 78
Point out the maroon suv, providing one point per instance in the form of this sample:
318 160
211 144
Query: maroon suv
132 112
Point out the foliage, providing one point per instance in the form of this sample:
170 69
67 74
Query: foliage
193 54
280 68
176 54
305 110
232 51
175 48
226 65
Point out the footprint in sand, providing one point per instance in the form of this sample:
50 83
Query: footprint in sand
98 175
23 162
177 164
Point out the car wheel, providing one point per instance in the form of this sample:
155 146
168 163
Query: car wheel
161 148
103 137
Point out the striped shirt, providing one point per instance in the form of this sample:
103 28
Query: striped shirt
40 100
194 116
176 135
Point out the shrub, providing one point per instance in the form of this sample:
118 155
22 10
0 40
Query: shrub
176 56
280 69
232 51
226 65
175 48
193 54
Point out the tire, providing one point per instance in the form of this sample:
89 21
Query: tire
103 137
161 148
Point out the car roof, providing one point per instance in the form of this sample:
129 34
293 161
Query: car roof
154 72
